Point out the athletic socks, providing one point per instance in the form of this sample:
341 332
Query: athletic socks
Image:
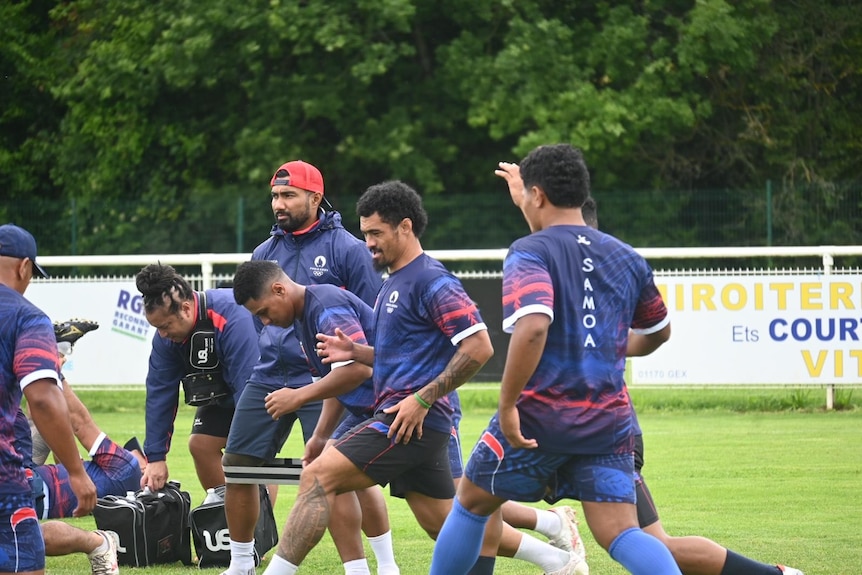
279 566
642 554
736 564
241 556
103 546
381 546
459 541
541 554
483 566
548 523
357 567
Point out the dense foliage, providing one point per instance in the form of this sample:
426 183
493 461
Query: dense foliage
139 123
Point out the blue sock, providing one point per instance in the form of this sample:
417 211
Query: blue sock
459 542
642 554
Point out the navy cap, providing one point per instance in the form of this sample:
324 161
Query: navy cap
16 242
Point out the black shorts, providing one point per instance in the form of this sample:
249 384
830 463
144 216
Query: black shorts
421 466
647 513
213 420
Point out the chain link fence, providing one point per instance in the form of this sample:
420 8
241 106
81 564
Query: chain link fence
231 220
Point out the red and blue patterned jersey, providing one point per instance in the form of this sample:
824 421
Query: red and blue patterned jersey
324 254
594 288
28 353
421 314
113 470
328 307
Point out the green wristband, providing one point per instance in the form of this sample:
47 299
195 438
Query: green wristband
421 401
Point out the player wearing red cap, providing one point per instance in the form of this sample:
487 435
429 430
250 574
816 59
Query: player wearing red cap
312 246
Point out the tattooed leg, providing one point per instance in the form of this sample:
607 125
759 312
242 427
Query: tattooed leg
329 474
306 524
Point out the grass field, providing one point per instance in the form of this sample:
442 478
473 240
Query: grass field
766 472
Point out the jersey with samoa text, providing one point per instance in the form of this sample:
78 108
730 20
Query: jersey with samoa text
422 313
594 288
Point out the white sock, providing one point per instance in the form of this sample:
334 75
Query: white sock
539 553
103 546
279 566
241 556
548 523
357 567
381 545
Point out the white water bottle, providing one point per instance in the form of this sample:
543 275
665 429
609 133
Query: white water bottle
212 496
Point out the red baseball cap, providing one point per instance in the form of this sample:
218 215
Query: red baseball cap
300 175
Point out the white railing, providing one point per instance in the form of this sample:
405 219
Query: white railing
208 261
826 254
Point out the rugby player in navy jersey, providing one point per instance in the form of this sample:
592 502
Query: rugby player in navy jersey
429 339
563 428
312 246
29 367
694 555
271 296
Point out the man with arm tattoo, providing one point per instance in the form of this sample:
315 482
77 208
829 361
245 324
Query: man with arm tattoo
429 340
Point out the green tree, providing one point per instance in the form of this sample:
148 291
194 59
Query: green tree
157 118
29 117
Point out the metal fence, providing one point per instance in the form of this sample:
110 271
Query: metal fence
234 220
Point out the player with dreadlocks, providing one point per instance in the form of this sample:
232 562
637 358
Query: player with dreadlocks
207 342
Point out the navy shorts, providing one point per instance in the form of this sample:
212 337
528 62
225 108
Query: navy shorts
421 466
213 420
112 469
347 423
21 545
533 474
256 434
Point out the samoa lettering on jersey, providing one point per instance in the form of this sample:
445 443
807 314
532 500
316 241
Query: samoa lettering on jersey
594 288
421 314
326 308
28 353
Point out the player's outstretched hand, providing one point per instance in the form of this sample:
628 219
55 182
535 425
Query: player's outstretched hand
313 448
510 425
512 174
334 348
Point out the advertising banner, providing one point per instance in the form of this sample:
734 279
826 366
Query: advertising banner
115 354
759 329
